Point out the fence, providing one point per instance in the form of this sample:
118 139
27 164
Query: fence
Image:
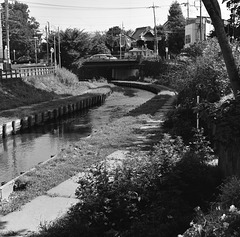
26 72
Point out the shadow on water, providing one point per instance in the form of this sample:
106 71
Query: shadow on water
23 151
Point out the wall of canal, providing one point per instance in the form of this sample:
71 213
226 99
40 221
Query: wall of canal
13 127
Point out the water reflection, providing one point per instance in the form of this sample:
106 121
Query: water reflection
23 151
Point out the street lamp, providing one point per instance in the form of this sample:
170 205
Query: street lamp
14 54
35 48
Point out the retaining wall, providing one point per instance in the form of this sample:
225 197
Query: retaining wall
12 127
142 85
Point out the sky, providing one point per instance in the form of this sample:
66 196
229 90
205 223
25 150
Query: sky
100 15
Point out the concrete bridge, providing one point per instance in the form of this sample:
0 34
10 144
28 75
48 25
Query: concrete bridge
120 69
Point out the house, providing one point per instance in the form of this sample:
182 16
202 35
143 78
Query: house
143 36
143 52
143 33
192 30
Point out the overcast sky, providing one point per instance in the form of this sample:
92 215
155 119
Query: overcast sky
100 15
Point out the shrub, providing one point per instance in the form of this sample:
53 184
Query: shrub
66 77
230 192
223 220
146 195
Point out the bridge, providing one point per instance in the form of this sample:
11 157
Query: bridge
120 69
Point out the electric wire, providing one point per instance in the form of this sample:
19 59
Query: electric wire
67 7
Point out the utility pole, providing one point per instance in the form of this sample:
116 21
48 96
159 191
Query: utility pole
155 29
120 41
186 4
55 52
47 35
35 48
200 20
1 43
59 49
7 32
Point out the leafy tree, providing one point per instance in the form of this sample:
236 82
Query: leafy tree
176 24
97 44
112 39
214 11
74 45
22 29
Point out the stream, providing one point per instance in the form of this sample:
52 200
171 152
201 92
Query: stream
23 151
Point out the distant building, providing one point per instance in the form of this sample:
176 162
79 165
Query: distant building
139 53
143 34
192 30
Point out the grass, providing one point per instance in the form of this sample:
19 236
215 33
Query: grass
77 157
15 93
151 106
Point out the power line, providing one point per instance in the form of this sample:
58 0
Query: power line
83 8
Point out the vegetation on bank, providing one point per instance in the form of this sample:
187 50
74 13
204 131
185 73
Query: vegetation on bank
176 186
170 189
38 94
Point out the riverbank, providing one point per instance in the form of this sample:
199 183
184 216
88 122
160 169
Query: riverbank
120 133
54 101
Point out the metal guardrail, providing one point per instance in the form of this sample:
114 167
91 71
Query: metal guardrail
26 72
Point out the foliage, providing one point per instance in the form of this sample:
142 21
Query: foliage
181 122
74 45
223 220
112 42
97 44
176 24
194 50
66 77
204 76
23 29
13 94
145 195
224 116
153 68
230 192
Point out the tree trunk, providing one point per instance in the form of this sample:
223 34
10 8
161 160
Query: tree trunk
214 12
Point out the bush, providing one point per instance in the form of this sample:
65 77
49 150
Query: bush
146 195
223 220
230 192
66 77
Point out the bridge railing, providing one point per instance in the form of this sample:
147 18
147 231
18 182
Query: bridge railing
27 72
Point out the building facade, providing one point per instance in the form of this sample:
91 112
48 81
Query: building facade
196 31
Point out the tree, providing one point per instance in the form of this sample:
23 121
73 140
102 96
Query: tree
112 39
214 12
97 44
176 24
74 45
22 29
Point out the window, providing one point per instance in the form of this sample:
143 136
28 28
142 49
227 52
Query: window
187 39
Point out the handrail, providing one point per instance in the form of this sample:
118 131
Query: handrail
26 72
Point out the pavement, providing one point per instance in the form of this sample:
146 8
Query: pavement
47 208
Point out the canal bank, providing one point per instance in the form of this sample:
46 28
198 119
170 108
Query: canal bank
116 135
18 119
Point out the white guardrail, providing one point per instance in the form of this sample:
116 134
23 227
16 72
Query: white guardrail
26 72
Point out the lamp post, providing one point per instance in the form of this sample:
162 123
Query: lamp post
14 54
35 48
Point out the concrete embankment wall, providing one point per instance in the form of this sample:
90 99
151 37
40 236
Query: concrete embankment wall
12 127
141 85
